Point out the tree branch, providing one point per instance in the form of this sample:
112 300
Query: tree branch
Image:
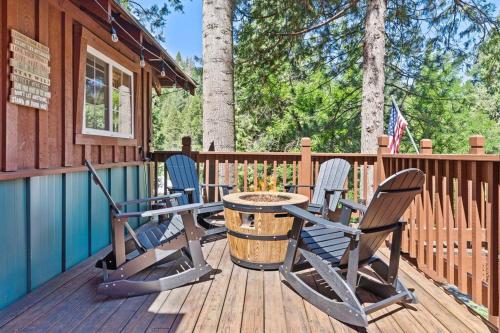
341 13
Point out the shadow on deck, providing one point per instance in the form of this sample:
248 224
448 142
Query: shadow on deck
233 299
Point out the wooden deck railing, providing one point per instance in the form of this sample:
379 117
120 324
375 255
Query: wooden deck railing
453 226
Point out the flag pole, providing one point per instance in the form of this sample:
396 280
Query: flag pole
407 127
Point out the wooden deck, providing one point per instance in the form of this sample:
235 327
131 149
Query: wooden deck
233 299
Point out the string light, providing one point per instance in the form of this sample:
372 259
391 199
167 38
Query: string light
142 63
114 38
114 35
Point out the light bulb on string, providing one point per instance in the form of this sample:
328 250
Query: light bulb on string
162 73
114 35
142 62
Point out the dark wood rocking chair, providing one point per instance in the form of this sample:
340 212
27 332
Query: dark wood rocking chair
345 257
176 241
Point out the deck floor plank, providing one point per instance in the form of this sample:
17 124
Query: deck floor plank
232 311
233 299
190 310
434 297
253 316
274 311
169 310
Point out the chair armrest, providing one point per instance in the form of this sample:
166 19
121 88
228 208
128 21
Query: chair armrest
158 198
305 215
333 190
162 211
353 205
293 187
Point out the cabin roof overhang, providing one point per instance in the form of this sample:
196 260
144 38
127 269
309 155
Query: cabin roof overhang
136 37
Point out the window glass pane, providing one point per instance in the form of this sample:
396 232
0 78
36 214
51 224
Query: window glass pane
96 94
117 78
126 82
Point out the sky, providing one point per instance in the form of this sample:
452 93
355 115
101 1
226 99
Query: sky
183 30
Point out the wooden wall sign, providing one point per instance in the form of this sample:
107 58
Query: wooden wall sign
30 72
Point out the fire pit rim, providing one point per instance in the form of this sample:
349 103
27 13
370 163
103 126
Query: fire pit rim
235 201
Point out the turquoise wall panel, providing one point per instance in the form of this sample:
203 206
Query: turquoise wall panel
100 227
13 241
45 222
49 222
132 186
143 192
76 211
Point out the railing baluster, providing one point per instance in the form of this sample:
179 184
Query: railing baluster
284 174
207 179
474 186
448 222
438 215
275 165
245 175
461 225
236 174
255 171
355 181
226 173
365 181
294 172
264 178
216 182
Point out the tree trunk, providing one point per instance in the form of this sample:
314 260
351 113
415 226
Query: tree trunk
372 106
218 80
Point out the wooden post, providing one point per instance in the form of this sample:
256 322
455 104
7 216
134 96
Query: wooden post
476 143
383 148
305 166
186 145
426 146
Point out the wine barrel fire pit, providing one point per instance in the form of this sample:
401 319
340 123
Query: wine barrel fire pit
257 227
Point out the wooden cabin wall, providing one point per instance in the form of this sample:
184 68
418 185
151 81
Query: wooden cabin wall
34 142
52 216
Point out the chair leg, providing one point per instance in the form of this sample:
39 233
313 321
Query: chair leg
126 288
348 311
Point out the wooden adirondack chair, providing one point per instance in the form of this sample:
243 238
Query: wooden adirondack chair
176 241
182 174
328 188
345 257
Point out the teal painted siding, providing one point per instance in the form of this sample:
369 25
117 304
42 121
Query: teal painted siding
76 211
45 204
99 215
143 192
13 241
51 223
132 186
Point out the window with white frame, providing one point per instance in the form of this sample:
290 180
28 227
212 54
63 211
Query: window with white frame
108 105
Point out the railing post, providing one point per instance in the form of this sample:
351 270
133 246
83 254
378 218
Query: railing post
426 146
476 143
186 145
383 148
305 167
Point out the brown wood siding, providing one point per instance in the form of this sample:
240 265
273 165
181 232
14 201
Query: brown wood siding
32 139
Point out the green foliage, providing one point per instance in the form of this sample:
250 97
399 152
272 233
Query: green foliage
176 113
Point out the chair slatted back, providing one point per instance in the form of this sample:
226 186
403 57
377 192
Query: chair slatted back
332 174
388 204
182 174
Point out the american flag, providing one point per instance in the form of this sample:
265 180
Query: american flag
397 126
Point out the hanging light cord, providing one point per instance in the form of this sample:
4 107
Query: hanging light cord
112 19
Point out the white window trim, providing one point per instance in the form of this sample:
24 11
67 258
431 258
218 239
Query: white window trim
111 63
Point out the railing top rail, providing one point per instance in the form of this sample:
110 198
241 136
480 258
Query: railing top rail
451 157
